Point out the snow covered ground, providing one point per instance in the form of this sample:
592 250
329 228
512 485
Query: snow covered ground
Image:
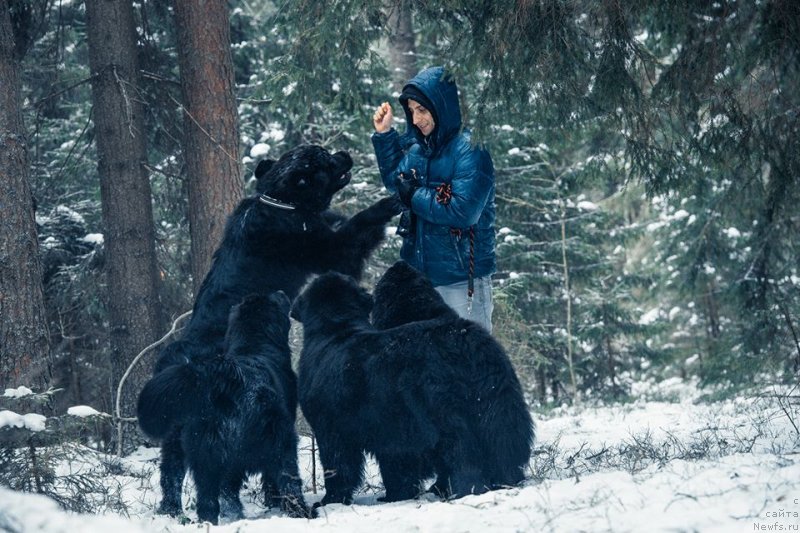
650 465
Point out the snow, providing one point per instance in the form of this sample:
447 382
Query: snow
663 462
83 411
289 89
19 392
259 150
732 233
70 214
31 513
31 421
93 238
650 317
274 132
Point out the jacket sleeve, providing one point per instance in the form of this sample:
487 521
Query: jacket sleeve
389 152
472 184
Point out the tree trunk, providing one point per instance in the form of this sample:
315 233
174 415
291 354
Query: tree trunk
210 138
402 50
133 306
24 338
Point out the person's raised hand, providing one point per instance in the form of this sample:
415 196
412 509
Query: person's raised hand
382 118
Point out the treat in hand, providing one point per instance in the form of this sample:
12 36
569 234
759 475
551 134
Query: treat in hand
382 119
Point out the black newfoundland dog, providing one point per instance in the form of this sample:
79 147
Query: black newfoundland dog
273 241
235 412
437 395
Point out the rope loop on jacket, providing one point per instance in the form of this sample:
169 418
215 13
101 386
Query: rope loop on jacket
444 193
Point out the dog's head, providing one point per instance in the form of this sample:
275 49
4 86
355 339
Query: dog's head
404 295
332 297
307 177
258 315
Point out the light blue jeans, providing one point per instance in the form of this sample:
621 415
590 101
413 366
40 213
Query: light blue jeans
455 296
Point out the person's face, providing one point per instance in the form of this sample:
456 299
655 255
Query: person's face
421 117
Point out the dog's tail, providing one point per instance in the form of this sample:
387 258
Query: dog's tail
180 392
168 399
507 431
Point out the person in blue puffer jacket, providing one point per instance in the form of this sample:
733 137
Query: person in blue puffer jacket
447 186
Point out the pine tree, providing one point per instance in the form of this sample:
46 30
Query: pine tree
24 340
695 92
133 303
210 127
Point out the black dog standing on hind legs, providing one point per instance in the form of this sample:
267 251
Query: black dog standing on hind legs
273 241
432 396
235 412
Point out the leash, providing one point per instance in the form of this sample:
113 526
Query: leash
444 193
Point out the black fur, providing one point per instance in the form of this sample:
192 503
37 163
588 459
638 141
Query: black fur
235 413
266 249
438 394
403 295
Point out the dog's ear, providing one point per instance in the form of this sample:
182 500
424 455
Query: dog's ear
282 301
263 167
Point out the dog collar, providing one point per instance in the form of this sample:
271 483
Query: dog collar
264 199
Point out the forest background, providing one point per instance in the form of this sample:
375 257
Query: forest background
647 160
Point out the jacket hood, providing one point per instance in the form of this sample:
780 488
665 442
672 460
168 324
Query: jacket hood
442 92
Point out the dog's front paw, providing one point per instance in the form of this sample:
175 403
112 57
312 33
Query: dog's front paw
335 498
383 210
392 205
169 508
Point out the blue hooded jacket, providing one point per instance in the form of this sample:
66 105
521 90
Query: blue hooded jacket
439 243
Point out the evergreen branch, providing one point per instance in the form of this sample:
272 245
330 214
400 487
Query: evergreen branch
52 95
205 132
162 172
152 76
257 101
517 201
59 175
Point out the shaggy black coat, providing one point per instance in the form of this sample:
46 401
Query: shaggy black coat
434 395
267 248
235 413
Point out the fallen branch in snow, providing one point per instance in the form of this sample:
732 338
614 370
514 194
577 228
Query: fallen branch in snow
77 478
118 407
639 452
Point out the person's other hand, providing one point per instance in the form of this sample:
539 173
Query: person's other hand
382 119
